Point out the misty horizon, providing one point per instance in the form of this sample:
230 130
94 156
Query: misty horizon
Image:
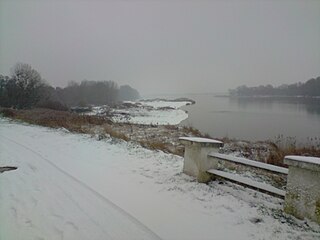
169 47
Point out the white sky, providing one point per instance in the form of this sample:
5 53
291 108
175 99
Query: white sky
164 46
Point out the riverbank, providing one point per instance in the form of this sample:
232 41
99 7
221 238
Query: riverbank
156 137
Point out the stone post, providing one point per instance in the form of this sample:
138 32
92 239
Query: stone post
196 161
302 198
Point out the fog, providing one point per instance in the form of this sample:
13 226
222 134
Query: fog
164 46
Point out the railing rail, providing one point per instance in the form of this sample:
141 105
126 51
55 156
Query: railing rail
262 187
248 162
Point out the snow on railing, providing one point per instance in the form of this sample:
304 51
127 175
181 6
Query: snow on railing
218 157
247 162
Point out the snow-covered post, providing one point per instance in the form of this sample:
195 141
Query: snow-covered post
303 187
196 161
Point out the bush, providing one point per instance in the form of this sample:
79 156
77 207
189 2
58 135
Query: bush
54 105
55 119
276 157
6 112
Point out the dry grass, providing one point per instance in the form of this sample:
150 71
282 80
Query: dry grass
284 146
171 127
193 131
8 112
54 119
163 146
154 145
276 156
58 119
115 134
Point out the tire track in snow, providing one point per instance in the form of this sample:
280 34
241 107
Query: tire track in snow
97 194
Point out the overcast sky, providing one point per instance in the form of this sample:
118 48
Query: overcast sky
165 46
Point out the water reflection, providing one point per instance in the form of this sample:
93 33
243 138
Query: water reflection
310 105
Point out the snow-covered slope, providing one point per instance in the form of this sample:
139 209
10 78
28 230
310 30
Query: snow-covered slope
71 186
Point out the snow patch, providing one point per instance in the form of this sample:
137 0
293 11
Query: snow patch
200 140
313 160
164 104
150 117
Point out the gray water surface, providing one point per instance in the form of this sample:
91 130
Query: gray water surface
255 118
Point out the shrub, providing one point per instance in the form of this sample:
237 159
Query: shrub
6 112
277 155
115 134
54 105
155 145
193 131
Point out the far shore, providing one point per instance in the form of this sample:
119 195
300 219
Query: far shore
269 96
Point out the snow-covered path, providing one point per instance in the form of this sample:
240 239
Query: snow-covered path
45 202
66 184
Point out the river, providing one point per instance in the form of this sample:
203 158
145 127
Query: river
297 119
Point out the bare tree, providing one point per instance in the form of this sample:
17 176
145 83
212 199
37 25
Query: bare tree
24 87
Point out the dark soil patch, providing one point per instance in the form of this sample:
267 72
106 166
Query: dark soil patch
7 168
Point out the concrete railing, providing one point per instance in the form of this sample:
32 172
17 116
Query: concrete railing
196 162
302 196
303 187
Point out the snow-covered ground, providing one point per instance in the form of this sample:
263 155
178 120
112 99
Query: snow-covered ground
71 186
162 104
148 112
154 116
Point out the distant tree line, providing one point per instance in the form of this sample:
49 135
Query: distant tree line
88 92
127 93
26 89
310 88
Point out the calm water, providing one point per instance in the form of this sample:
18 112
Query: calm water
255 119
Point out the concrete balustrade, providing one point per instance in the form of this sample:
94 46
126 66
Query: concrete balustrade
302 198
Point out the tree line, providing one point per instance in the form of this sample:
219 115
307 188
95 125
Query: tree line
25 88
310 88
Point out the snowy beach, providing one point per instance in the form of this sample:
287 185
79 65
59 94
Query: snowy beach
147 112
